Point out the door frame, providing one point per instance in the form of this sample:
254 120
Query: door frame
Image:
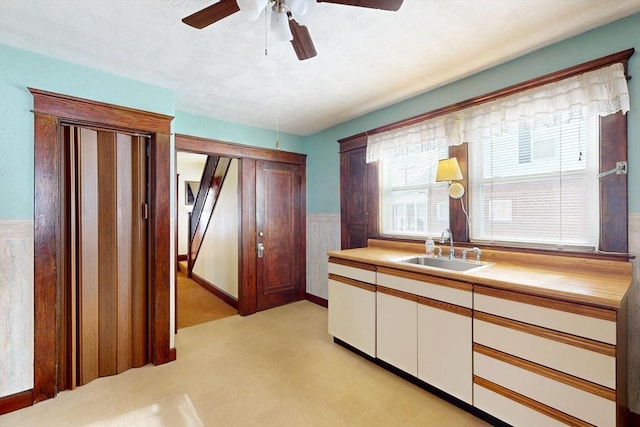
50 111
247 292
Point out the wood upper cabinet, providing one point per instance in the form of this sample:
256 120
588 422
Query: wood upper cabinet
358 193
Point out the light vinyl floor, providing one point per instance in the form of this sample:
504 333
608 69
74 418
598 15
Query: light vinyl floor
275 368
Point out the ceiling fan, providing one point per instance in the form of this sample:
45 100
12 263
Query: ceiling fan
287 17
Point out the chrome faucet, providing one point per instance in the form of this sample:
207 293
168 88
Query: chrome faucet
475 250
446 234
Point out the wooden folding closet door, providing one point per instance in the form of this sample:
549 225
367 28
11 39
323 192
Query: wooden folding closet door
109 278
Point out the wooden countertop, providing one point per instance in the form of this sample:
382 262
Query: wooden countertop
602 283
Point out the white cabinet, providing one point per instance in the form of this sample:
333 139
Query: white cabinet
352 305
552 357
444 347
528 360
397 323
424 328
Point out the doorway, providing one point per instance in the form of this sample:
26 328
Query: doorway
51 112
206 289
272 203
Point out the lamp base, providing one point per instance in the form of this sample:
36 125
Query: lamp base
456 190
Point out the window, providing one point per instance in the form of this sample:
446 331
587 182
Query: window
531 152
538 185
413 203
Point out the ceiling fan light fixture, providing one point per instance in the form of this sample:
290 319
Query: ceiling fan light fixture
288 17
299 8
280 26
251 9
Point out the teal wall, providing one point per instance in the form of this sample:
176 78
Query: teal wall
322 149
207 127
20 69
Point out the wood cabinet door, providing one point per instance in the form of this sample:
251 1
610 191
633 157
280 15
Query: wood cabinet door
358 193
353 198
279 234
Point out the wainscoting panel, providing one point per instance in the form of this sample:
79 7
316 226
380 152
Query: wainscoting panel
16 306
633 322
323 235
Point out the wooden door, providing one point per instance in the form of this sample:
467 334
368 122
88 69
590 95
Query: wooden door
279 229
107 303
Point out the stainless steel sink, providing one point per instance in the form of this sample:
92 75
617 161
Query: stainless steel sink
443 263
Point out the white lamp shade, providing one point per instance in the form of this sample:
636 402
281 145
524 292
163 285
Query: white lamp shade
280 26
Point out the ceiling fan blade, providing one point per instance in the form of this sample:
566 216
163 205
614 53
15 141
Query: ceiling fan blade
373 4
211 14
302 43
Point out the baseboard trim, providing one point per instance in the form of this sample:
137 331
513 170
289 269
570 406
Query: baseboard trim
233 302
316 299
183 257
16 401
634 419
173 354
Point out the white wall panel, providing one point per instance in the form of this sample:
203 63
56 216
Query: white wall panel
323 235
16 306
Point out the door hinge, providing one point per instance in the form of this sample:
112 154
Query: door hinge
145 211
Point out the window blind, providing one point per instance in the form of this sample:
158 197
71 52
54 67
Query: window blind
413 204
538 185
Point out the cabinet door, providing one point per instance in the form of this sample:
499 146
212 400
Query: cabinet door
444 347
397 321
352 314
353 198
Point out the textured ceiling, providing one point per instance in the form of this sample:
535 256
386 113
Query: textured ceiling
367 59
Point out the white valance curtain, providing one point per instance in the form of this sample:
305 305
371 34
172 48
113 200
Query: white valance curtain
601 92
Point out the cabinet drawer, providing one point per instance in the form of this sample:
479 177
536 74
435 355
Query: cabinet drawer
591 361
513 412
551 388
355 273
439 289
590 322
